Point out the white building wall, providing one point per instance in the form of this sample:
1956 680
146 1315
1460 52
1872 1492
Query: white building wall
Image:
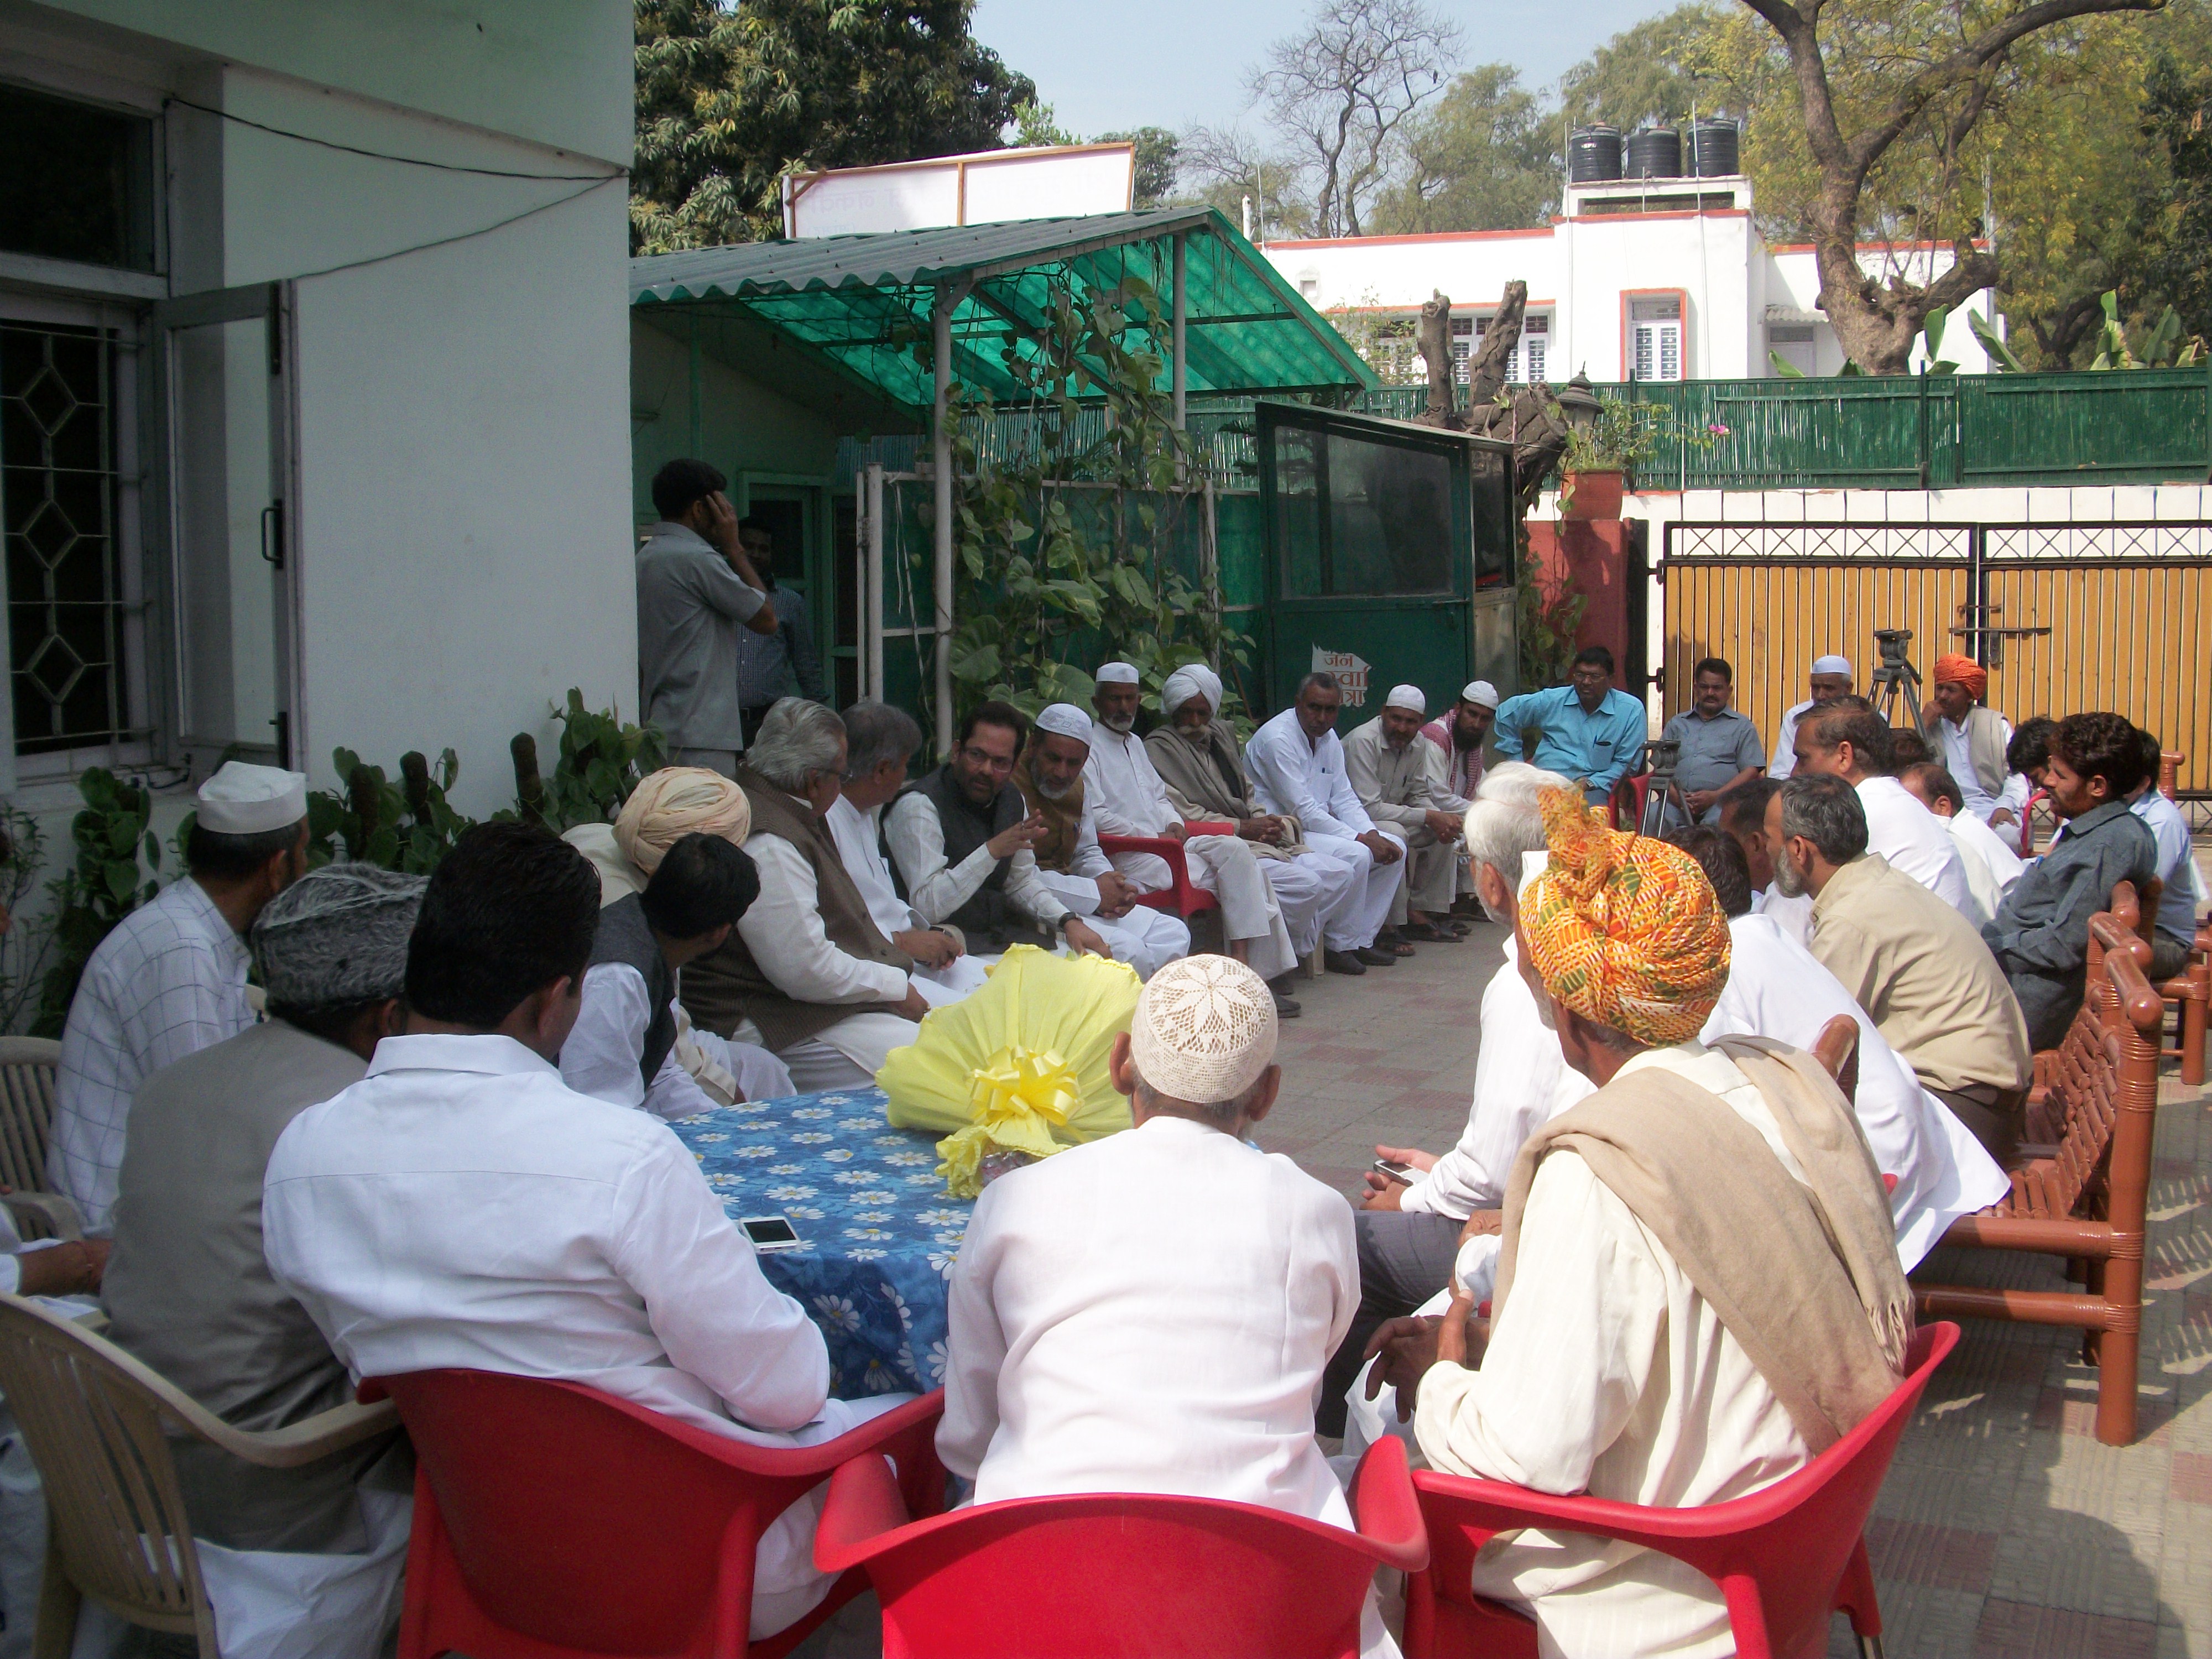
1584 269
461 526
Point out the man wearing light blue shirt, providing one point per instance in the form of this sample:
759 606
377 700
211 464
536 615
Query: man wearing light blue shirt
2174 934
1586 731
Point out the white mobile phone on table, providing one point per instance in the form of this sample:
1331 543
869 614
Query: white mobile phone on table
772 1232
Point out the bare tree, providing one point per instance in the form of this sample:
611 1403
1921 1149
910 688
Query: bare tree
1222 164
1942 90
1341 91
1529 419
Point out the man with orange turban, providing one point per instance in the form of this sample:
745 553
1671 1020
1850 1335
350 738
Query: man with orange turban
1698 1287
1969 740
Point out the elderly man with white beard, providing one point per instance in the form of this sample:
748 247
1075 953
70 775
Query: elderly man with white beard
1054 785
1196 758
1391 773
1411 1227
1129 800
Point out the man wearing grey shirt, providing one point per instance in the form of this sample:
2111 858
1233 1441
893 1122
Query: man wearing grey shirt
695 588
1720 746
769 663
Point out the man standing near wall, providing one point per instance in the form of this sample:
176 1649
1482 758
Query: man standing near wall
695 586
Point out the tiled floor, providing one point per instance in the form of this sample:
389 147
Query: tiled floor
2004 1528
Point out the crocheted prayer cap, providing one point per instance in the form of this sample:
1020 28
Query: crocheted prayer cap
1204 1029
1065 720
678 801
1625 929
338 935
1407 696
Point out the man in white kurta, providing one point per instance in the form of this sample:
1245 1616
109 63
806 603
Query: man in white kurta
1123 795
462 1207
880 740
1297 763
1776 988
1178 1350
1854 744
1831 679
1991 866
1409 1230
1971 740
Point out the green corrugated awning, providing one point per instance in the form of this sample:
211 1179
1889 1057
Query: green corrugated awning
861 305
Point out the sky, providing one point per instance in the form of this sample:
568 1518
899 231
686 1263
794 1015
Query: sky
1104 67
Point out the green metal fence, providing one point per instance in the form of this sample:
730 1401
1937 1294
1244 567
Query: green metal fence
2134 426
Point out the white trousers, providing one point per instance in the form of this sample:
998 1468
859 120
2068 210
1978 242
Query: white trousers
1146 939
1225 866
1308 889
1352 925
847 1056
1432 876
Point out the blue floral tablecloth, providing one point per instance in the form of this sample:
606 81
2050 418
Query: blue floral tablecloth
880 1230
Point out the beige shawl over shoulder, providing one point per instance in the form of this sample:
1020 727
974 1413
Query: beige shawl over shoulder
1802 1274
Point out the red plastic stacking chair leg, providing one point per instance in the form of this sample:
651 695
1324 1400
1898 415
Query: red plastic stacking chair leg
1854 1596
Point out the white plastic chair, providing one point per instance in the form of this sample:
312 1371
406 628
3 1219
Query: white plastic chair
28 1067
98 1424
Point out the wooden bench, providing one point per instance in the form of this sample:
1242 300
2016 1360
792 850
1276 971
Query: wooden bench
2083 1196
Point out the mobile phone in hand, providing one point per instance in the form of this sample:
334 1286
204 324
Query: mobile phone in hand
1399 1172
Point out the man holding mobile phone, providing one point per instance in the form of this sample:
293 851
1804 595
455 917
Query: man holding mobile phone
695 588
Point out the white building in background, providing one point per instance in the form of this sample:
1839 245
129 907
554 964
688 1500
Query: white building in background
1646 279
1048 181
314 361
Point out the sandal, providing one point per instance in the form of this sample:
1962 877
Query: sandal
1428 933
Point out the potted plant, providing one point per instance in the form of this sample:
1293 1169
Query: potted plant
1602 450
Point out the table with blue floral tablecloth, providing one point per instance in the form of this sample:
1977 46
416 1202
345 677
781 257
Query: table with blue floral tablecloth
880 1230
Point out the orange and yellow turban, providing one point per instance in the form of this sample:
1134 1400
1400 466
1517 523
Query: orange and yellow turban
1625 929
1952 669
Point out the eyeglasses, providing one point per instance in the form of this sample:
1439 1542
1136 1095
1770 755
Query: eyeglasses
983 759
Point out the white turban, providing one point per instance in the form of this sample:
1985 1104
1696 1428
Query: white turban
1479 691
1832 665
1204 1029
1116 673
1192 680
248 800
1065 720
1407 696
678 801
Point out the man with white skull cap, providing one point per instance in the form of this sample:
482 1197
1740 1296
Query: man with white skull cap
170 978
1389 769
1130 800
1179 1349
1831 679
1196 758
1050 776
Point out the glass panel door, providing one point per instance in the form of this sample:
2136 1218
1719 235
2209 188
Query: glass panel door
225 399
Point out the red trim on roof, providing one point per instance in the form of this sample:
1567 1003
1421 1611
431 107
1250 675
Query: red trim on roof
1395 241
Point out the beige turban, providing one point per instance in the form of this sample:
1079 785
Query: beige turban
678 801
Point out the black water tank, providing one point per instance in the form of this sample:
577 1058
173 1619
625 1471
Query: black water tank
1713 149
1653 153
1592 155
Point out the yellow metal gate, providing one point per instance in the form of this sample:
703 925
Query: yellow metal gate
2072 617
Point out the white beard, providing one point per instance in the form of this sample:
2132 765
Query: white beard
1118 722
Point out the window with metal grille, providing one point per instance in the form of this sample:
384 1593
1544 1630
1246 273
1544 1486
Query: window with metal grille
59 475
1656 339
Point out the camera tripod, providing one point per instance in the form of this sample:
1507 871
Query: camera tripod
1660 756
1895 674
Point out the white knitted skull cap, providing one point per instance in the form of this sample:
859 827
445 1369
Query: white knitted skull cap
1204 1029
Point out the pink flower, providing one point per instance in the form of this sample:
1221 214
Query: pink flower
1717 430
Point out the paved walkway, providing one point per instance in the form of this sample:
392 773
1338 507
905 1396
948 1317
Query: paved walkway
2004 1528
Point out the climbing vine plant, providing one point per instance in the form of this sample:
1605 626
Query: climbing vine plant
1065 548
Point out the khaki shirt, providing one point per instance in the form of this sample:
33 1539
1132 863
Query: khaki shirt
1924 976
1392 784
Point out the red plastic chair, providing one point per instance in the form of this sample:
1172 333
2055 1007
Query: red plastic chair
1184 898
554 1522
1107 1574
1787 1557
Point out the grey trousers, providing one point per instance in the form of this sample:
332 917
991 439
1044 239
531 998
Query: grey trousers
2168 955
1405 1258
